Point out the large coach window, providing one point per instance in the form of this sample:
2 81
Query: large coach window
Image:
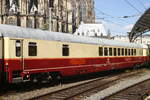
65 50
132 52
100 51
141 52
115 51
126 52
129 52
32 49
110 51
135 52
105 51
122 51
18 48
118 51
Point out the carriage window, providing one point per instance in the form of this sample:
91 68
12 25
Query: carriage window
32 49
105 51
147 52
141 52
118 51
134 51
110 51
129 52
100 51
18 48
115 51
126 52
65 50
122 51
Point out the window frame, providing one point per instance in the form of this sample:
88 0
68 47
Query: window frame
101 53
129 52
110 51
135 52
132 52
32 51
65 50
122 52
18 48
115 51
126 52
106 51
119 51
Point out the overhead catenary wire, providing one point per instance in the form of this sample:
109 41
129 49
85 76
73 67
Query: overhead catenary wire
106 17
142 4
112 22
132 6
110 16
103 13
122 17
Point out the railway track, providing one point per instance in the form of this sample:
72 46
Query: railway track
136 92
80 91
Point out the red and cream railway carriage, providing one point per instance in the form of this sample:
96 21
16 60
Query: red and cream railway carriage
28 54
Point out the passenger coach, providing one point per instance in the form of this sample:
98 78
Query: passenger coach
36 55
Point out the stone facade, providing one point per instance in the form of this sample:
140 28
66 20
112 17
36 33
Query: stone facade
66 15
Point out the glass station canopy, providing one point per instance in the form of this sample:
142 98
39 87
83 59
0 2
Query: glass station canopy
142 26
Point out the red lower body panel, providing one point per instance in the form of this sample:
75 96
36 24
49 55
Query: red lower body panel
70 66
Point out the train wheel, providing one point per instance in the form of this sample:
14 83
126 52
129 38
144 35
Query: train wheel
56 78
136 66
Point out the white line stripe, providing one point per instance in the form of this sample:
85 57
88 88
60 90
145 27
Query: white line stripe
96 65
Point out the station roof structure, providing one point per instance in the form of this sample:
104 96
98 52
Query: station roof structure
142 26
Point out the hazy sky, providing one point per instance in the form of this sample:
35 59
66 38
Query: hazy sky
110 12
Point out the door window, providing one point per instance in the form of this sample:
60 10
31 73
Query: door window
18 48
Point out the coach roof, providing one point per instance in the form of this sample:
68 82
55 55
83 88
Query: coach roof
18 32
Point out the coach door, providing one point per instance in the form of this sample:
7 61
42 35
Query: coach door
19 52
1 58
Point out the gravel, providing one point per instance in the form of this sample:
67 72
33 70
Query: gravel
38 92
124 83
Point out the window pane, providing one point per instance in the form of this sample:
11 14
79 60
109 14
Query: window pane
141 52
110 51
115 52
100 51
126 52
134 51
105 51
118 51
129 52
122 51
65 50
18 48
32 49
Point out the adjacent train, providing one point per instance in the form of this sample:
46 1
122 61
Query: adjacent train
30 54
